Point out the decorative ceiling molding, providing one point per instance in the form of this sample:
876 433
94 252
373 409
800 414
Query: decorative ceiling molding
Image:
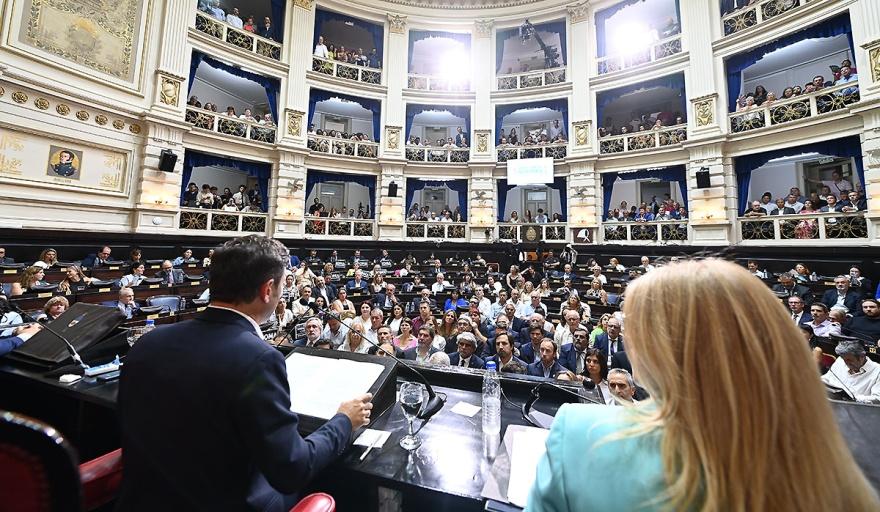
397 24
463 4
578 12
483 28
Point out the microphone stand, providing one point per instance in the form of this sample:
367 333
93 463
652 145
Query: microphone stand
435 401
70 349
536 395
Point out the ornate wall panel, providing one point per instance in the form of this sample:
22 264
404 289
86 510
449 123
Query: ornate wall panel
59 163
100 38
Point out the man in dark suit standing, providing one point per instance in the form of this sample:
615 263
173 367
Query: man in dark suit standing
843 296
787 287
204 405
546 366
610 342
170 275
467 345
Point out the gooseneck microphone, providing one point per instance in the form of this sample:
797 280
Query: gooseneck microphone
45 325
434 403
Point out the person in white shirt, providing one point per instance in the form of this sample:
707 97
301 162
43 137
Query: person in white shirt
234 19
334 332
354 341
483 304
646 264
565 334
793 203
321 49
439 285
300 307
854 373
597 274
822 326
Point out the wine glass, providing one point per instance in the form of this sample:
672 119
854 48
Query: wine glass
411 398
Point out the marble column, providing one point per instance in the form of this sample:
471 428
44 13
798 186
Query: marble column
395 76
299 28
482 114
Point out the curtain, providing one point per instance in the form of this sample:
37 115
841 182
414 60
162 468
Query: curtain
417 35
375 106
560 105
271 85
672 173
278 20
503 189
847 147
413 185
674 82
557 27
314 177
462 111
736 64
193 66
261 171
377 32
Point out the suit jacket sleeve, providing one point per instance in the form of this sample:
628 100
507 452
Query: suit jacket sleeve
269 428
9 344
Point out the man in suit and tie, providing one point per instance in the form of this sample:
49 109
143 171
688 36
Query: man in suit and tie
573 355
97 259
170 275
787 287
546 366
314 328
232 444
842 296
356 284
798 314
126 303
610 342
387 299
568 273
325 289
460 138
5 260
467 345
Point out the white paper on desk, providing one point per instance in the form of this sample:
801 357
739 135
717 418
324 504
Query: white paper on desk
528 448
372 437
319 384
466 409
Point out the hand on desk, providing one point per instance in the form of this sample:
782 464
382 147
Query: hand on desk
27 331
358 410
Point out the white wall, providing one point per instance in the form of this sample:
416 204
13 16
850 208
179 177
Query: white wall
777 178
451 200
547 122
515 203
355 124
220 177
798 74
354 193
208 93
629 191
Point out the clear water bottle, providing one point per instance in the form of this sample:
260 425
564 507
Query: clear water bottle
491 400
149 326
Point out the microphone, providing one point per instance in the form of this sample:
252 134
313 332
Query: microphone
536 395
435 402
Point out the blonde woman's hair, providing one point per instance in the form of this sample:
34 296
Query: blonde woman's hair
745 421
29 277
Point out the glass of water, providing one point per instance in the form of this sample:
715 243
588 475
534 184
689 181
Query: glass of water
134 333
412 395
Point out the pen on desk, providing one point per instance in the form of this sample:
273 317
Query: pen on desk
367 451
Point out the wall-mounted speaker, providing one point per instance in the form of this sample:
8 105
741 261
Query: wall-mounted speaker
167 160
703 178
392 189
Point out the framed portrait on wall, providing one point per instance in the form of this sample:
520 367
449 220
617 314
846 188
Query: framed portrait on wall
64 162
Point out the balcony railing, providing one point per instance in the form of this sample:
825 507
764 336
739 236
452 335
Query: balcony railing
832 98
648 139
556 151
343 147
232 126
554 231
538 78
437 230
220 220
325 226
653 231
347 71
237 37
757 13
658 50
437 83
432 154
810 226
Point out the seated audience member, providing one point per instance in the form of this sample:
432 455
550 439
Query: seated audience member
504 352
798 314
424 345
4 259
282 316
266 29
313 333
782 209
48 258
250 25
564 335
97 259
854 202
354 341
757 210
405 340
546 366
610 342
794 203
788 287
30 277
53 308
467 345
126 304
454 301
170 275
842 296
187 257
440 283
74 281
573 355
358 284
854 373
621 384
867 326
335 332
384 349
822 326
133 278
832 205
438 359
860 283
752 265
300 306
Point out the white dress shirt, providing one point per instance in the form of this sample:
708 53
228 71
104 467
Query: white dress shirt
864 385
321 51
826 328
234 20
